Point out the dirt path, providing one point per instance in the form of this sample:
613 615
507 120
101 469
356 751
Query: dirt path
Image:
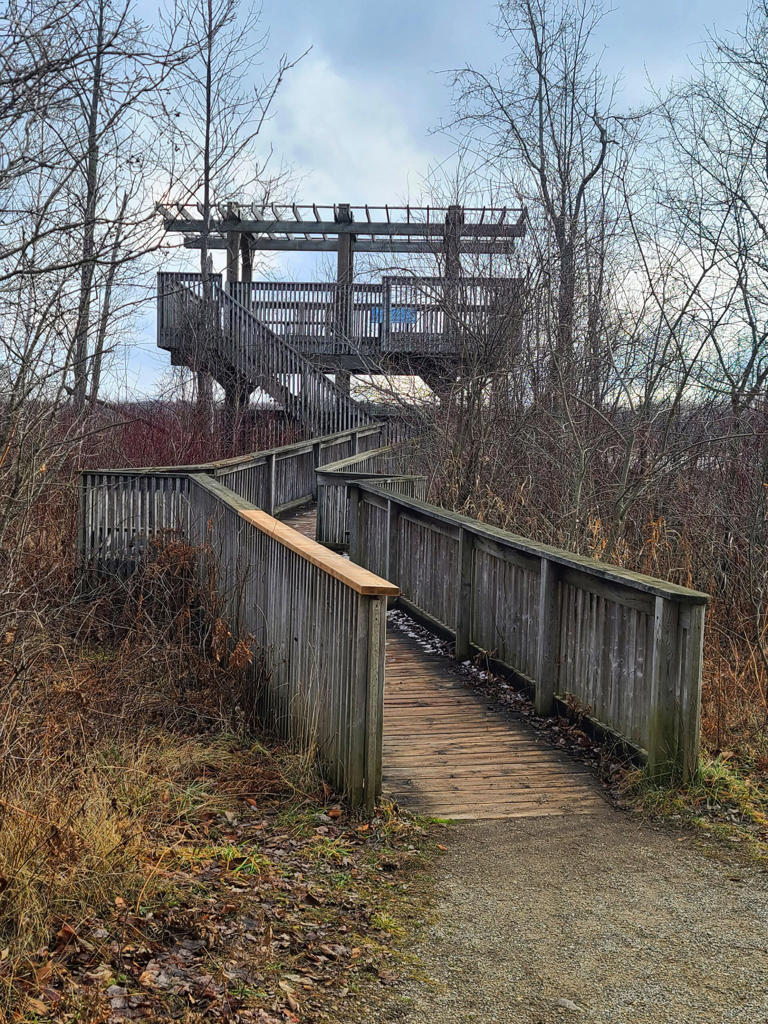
593 919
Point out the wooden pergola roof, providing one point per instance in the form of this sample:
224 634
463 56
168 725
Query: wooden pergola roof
384 229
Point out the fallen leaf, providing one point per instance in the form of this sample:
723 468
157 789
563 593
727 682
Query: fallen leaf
290 996
65 935
42 974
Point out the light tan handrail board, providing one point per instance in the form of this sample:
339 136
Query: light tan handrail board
625 645
320 621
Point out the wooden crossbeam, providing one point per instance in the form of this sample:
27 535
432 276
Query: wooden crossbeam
385 245
392 229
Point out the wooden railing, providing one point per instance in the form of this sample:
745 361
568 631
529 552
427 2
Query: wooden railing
282 478
122 509
316 620
317 316
621 649
383 466
237 346
320 623
419 315
624 648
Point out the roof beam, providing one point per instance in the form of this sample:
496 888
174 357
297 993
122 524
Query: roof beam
389 229
384 245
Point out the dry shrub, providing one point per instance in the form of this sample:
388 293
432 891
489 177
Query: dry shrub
114 720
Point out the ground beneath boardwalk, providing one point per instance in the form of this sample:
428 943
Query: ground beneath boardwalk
593 919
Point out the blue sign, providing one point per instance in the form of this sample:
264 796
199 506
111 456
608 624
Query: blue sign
397 315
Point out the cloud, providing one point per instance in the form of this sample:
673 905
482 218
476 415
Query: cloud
346 140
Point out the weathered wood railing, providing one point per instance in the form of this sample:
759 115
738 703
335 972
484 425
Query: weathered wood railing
282 478
320 623
230 342
624 648
401 314
627 648
318 620
384 466
118 515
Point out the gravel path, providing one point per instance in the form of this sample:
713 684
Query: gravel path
587 919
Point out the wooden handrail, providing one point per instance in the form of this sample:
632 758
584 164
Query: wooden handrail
353 576
582 563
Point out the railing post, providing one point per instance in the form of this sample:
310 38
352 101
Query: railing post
386 313
663 706
464 595
356 442
316 449
82 525
377 639
692 630
355 540
548 645
271 486
393 540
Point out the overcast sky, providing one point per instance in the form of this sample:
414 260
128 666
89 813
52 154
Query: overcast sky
354 121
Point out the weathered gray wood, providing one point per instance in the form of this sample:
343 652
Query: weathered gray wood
353 520
248 353
692 658
464 595
626 647
272 496
452 522
663 705
233 256
393 540
548 640
389 229
331 245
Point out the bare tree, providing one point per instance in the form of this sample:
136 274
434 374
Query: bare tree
216 114
544 134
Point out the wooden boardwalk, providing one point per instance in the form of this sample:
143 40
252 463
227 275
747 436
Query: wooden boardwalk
448 754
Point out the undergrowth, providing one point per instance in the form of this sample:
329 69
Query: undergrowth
158 858
727 802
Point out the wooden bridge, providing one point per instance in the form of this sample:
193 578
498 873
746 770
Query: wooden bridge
380 712
446 752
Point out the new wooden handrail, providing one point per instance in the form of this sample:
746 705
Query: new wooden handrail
354 576
351 575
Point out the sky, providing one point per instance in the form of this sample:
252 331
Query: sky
354 121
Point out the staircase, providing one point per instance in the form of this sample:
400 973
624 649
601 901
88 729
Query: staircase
225 339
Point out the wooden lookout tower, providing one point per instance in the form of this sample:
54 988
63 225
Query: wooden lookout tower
429 325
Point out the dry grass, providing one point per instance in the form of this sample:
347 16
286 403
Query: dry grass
97 705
